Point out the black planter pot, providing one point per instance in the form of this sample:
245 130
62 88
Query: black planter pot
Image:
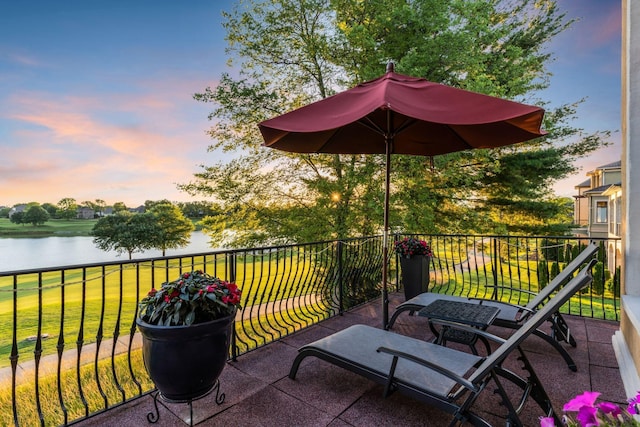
185 362
415 275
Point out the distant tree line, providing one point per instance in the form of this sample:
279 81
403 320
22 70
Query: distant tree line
67 208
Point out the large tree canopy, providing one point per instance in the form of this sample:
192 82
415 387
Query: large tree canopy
286 53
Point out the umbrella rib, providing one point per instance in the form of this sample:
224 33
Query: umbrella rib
464 141
368 123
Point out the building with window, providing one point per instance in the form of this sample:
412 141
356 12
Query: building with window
598 208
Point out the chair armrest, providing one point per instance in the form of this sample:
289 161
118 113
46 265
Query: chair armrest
524 291
437 368
470 329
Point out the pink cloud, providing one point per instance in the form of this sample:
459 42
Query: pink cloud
81 147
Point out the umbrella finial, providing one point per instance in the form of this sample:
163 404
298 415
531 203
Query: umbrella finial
390 67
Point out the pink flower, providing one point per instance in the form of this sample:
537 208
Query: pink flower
588 398
547 422
587 416
609 408
633 405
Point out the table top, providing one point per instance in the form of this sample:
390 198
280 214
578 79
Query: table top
473 314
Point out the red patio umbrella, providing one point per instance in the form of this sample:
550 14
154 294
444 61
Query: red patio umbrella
398 114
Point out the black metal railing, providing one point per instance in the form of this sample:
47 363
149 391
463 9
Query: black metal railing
72 349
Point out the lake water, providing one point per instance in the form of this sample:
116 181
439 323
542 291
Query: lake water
28 253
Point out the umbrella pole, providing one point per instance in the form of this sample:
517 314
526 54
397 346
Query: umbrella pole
385 248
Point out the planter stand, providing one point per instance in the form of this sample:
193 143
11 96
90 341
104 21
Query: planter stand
154 417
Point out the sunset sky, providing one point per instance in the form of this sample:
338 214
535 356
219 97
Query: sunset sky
96 96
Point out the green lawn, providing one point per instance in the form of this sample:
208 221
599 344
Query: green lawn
54 227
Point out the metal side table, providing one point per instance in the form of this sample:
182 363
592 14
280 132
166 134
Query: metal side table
472 314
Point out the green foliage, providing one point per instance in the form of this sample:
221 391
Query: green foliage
194 297
67 208
613 284
197 209
119 207
543 274
18 218
555 270
51 209
125 232
289 53
36 215
600 276
174 230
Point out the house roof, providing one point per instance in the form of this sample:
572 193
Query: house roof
586 183
601 189
617 164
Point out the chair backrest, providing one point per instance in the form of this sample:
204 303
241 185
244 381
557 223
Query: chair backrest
563 277
583 279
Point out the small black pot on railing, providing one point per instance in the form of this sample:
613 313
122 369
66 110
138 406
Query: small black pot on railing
415 275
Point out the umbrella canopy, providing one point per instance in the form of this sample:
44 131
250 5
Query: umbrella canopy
398 114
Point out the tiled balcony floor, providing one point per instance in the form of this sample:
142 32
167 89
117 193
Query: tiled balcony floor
259 393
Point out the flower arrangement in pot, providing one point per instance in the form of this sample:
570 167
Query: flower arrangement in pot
194 297
191 316
415 255
410 247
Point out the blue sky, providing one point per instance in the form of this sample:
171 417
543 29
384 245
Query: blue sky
96 96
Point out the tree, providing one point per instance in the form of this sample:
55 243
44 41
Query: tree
50 208
119 207
67 208
99 206
36 215
197 209
174 229
291 52
125 232
4 212
17 218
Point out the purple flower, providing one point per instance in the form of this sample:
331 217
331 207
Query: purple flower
547 422
588 398
587 416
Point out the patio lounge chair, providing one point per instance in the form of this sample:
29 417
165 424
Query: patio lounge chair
441 376
512 315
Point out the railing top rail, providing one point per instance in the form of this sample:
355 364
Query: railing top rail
286 246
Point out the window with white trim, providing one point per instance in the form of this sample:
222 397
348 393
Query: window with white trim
601 212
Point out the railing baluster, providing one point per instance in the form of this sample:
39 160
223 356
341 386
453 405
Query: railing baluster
15 355
60 347
37 353
99 336
80 342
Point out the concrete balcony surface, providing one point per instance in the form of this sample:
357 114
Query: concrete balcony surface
258 391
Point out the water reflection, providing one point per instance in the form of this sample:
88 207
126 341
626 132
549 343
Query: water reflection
28 253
